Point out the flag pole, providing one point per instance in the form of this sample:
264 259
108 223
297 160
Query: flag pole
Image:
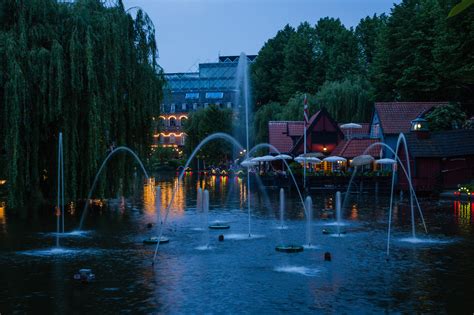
304 140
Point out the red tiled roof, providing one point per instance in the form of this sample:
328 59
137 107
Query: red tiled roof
295 128
278 136
280 133
396 117
362 132
354 147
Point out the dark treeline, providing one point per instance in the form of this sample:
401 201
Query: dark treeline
81 68
415 53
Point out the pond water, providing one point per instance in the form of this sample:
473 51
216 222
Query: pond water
239 275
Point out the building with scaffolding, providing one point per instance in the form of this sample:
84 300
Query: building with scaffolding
213 84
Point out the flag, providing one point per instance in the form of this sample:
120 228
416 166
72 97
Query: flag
306 115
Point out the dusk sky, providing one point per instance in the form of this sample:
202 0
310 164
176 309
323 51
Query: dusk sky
194 31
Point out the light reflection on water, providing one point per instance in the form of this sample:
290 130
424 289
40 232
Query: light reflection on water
241 275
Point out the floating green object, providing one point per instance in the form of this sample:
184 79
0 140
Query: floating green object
219 227
289 248
154 240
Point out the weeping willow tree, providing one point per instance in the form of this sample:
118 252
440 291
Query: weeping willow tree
82 68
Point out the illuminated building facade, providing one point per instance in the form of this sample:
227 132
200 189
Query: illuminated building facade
213 84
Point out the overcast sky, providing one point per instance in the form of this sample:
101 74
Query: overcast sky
192 31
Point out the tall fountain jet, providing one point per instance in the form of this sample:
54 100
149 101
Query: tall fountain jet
60 200
282 208
338 212
205 206
309 220
158 205
243 98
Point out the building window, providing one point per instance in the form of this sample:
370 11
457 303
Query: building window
162 122
172 122
206 105
195 106
214 95
182 139
183 120
191 96
172 139
183 106
173 109
162 139
229 105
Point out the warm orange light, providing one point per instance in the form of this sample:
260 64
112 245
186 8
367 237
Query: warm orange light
169 134
325 149
3 181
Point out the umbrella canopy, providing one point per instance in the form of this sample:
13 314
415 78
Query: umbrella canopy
265 158
350 126
248 163
313 160
313 154
362 160
334 158
386 161
283 157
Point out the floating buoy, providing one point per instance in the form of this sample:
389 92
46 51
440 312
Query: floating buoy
327 256
219 227
289 248
154 240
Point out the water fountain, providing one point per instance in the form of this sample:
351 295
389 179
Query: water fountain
401 139
282 209
60 198
338 212
205 206
242 84
104 163
199 209
309 221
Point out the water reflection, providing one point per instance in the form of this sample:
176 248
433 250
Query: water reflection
463 214
3 220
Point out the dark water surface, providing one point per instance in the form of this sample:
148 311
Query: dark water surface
239 275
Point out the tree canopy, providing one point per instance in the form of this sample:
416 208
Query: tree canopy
80 68
415 53
203 123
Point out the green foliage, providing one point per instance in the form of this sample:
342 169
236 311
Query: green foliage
446 117
80 68
367 32
299 63
160 156
203 123
414 54
460 7
271 111
267 71
337 52
348 100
